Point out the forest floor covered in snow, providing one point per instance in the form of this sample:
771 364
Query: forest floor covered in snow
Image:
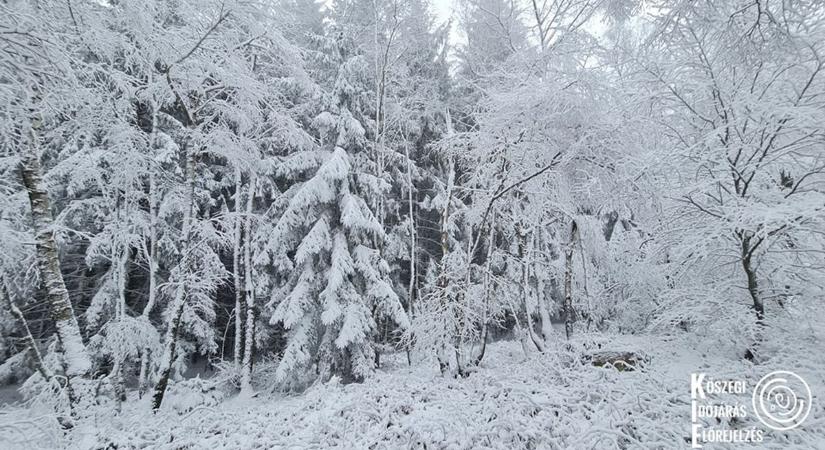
551 400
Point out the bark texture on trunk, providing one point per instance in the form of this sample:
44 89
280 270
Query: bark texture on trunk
567 308
753 289
60 308
753 283
168 357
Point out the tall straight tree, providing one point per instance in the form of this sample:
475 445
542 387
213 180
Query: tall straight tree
328 238
35 72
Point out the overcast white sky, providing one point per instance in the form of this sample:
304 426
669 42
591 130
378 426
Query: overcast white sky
442 9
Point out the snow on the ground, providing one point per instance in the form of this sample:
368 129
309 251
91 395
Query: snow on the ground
553 401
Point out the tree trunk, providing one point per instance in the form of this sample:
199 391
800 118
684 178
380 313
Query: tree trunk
753 290
116 380
168 357
178 305
488 281
122 275
546 324
28 339
443 363
236 271
246 378
567 308
153 246
524 254
116 376
68 332
411 291
541 298
462 323
153 282
144 372
31 345
413 275
753 285
154 199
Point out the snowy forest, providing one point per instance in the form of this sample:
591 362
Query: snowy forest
409 223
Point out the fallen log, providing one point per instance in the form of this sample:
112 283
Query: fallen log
621 361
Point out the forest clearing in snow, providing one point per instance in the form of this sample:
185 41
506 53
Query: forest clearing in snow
298 224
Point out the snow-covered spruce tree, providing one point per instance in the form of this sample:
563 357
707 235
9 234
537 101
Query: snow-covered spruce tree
325 244
495 32
406 85
406 52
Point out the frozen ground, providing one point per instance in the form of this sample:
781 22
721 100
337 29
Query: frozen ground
553 400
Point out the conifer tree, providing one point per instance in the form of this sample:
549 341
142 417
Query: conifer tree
328 237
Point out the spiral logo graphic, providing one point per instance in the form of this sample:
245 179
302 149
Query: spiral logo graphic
782 400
